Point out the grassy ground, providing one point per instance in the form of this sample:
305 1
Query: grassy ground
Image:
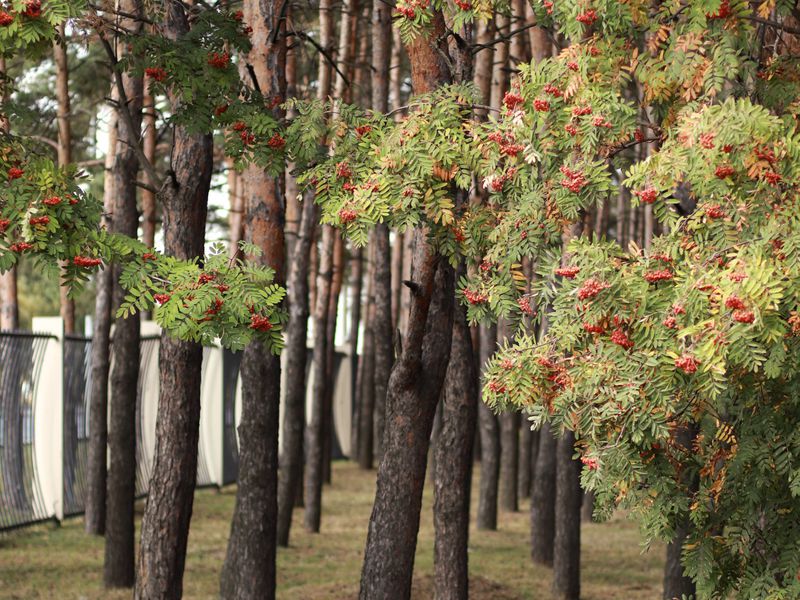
63 563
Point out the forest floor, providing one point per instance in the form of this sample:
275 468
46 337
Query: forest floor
62 562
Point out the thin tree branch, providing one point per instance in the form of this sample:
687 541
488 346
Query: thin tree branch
304 36
125 114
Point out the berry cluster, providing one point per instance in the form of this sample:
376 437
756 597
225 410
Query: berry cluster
619 337
596 328
525 306
161 298
647 195
52 201
6 19
724 171
581 111
541 105
591 463
599 121
587 18
4 223
86 261
15 173
568 272
33 9
219 60
475 297
670 323
408 8
156 73
659 275
724 11
687 363
464 5
735 303
347 215
591 287
259 323
552 90
707 140
363 130
343 170
496 387
571 129
512 100
276 142
743 316
714 211
574 181
20 247
43 220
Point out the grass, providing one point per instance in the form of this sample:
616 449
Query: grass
62 562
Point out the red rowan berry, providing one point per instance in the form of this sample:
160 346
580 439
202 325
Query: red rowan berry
619 337
707 140
588 17
52 201
568 272
687 363
714 212
348 215
552 90
247 138
475 297
656 276
724 171
464 5
497 388
42 220
4 223
343 170
572 65
363 130
590 288
596 328
735 303
591 463
647 195
738 277
6 19
240 126
15 173
571 129
743 316
670 323
85 261
20 247
525 306
219 60
220 110
276 142
148 256
33 9
541 105
156 73
260 323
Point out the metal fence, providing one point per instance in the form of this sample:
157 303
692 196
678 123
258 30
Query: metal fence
45 388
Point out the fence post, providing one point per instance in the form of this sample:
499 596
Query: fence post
49 417
211 425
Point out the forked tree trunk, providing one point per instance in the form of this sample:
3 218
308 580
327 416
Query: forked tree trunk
415 383
567 543
489 428
95 517
543 498
294 415
453 478
249 568
119 564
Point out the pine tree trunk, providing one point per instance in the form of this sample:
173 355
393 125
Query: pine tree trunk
149 134
95 516
316 427
67 304
453 479
165 524
509 461
489 428
337 278
291 471
356 290
366 380
525 450
413 394
587 507
119 564
9 309
543 497
249 568
567 543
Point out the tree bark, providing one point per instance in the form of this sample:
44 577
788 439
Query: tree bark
249 568
291 471
453 479
315 430
567 544
382 324
165 525
337 278
119 567
9 308
543 499
489 429
525 450
415 382
149 135
366 378
63 115
509 461
95 516
587 507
